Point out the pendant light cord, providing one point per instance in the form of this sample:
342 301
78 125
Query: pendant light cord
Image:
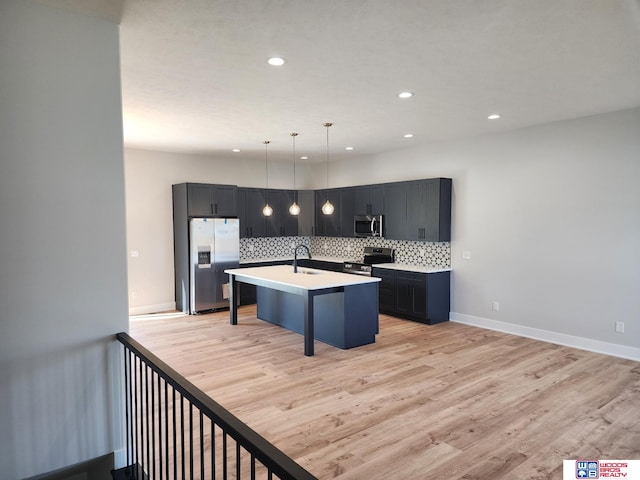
266 161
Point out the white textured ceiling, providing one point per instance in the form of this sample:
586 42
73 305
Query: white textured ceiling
195 76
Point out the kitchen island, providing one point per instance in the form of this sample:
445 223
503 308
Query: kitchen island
335 308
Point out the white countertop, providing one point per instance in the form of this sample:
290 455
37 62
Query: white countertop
412 268
290 259
389 266
312 280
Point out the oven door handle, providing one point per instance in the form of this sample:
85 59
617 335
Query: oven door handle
373 226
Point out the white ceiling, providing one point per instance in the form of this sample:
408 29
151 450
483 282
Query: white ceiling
195 76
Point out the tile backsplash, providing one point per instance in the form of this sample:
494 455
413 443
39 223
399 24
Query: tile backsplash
431 254
270 247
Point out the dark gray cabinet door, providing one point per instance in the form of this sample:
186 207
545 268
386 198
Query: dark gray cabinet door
395 210
429 210
251 201
416 210
218 200
199 199
411 298
306 219
281 223
369 200
347 199
225 200
328 225
386 290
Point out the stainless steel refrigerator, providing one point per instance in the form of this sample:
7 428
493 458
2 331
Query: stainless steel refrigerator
214 246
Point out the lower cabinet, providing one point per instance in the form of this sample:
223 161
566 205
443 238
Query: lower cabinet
423 297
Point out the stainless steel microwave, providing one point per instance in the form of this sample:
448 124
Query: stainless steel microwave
367 226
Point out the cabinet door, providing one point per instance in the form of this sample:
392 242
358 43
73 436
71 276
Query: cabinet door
255 220
320 196
438 210
274 222
369 200
306 219
333 222
347 199
362 205
386 290
416 210
199 199
225 200
395 203
289 222
411 297
376 199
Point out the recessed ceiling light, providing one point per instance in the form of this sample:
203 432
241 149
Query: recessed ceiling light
408 135
349 148
493 116
405 94
276 61
236 150
304 158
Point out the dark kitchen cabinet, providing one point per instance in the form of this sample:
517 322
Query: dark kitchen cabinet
211 200
422 297
281 223
429 210
411 294
328 225
306 219
251 201
386 290
395 211
369 200
347 199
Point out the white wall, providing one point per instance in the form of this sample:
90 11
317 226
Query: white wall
149 176
549 214
62 237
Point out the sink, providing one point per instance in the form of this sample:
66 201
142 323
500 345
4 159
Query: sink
309 272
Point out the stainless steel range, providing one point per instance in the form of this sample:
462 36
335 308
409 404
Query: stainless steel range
372 256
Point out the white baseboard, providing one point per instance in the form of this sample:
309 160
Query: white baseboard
161 307
597 346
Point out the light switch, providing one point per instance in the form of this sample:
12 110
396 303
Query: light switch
466 254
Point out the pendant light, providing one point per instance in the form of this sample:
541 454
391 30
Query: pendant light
267 211
294 209
327 208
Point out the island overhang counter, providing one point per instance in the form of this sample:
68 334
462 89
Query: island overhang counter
336 308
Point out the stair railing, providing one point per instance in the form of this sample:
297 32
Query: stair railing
175 431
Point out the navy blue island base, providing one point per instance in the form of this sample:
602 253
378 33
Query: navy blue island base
334 308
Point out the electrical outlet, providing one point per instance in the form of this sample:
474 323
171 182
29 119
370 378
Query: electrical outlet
134 253
466 254
495 306
620 327
134 294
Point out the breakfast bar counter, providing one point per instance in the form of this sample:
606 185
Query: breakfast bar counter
339 309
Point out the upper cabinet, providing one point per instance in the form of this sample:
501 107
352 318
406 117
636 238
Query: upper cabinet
419 210
395 211
251 201
340 222
369 200
306 219
429 210
212 200
281 223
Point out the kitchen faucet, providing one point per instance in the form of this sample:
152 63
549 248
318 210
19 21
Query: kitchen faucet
295 256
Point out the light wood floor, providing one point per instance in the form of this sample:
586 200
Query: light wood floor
447 401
